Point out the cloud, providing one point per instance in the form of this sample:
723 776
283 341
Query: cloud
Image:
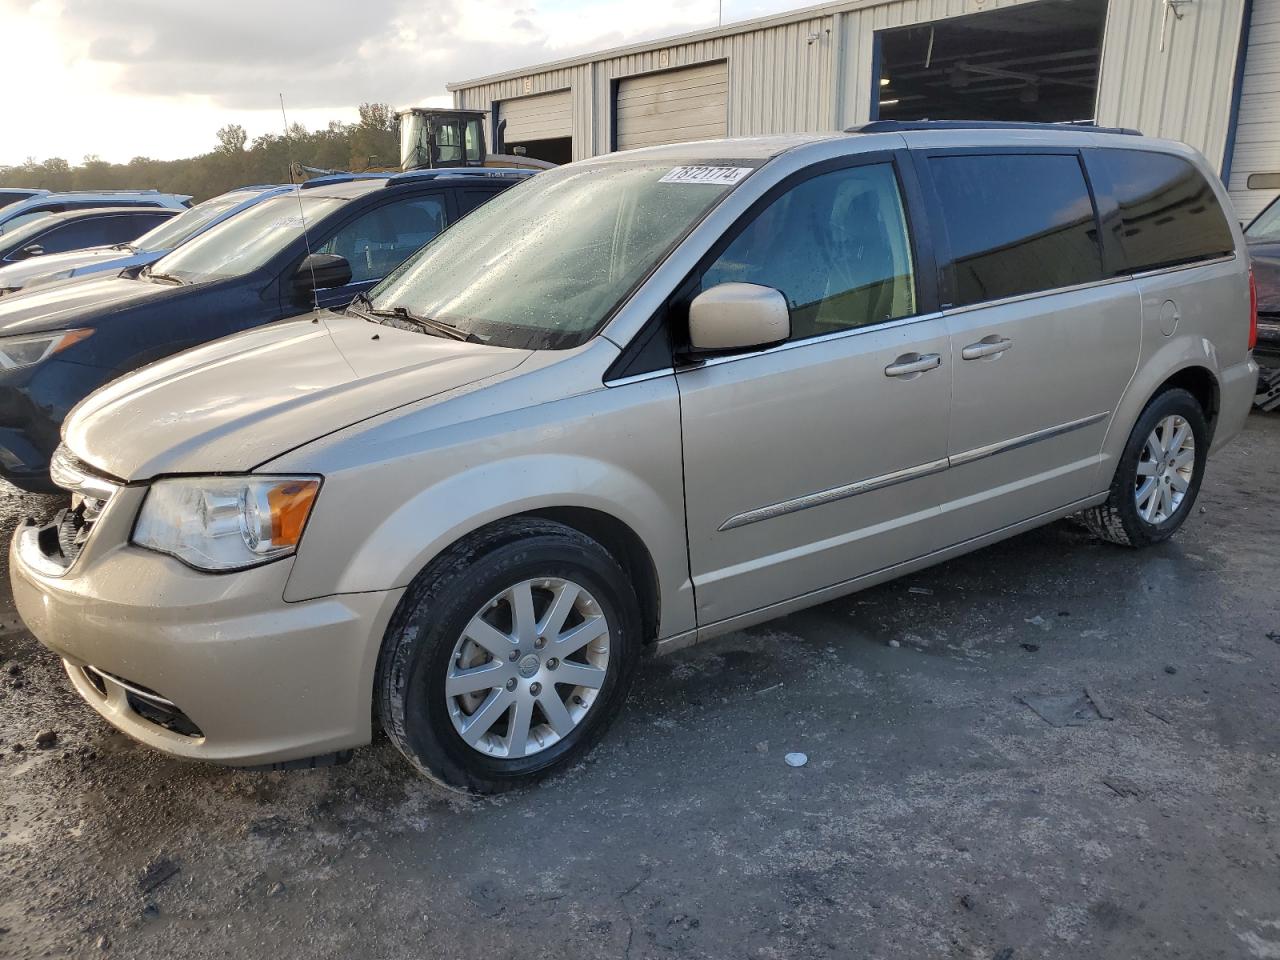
241 53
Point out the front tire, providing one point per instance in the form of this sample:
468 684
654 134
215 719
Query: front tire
1158 476
509 656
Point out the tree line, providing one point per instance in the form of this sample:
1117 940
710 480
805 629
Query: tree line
372 142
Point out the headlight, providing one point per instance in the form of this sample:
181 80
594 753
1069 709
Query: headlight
225 523
25 351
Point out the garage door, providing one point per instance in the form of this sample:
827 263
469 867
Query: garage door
1257 150
690 104
544 116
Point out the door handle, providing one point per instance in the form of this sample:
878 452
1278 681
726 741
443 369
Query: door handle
910 364
986 347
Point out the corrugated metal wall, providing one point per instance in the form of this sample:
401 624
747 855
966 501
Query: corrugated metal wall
779 82
815 73
1258 135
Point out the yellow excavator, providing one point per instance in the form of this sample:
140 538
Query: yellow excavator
436 137
432 137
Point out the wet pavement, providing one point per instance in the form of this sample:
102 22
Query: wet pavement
943 811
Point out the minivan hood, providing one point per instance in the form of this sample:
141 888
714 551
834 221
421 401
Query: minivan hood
234 404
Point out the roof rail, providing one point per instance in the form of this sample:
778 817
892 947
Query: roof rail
902 126
490 172
330 178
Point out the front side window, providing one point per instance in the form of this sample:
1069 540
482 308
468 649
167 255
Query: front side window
377 242
1017 223
245 242
543 264
94 232
1169 214
835 246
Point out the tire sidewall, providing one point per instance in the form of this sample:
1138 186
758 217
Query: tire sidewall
1170 403
424 633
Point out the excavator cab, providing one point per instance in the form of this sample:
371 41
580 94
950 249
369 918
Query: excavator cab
433 137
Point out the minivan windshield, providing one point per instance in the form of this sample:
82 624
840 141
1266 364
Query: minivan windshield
542 265
245 242
1267 225
172 232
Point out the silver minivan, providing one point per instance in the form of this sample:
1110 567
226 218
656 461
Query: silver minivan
635 402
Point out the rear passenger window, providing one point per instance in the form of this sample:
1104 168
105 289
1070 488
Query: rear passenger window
1017 224
1168 212
835 245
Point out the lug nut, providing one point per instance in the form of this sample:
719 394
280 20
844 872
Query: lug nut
511 684
540 643
552 663
577 700
515 655
535 688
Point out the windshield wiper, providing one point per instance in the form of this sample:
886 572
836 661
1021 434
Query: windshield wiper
426 324
162 277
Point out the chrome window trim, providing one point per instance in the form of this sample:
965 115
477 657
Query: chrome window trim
641 377
1035 295
1179 267
821 338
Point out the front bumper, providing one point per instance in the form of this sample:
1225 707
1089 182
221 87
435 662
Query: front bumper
259 680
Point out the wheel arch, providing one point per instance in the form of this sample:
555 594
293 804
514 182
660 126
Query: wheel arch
1190 363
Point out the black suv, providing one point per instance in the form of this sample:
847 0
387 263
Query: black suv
317 246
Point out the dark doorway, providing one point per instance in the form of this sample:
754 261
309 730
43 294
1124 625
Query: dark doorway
1033 62
554 150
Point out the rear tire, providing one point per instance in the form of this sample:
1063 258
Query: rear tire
1158 477
485 681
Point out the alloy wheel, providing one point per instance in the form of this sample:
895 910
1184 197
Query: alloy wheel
527 668
1165 469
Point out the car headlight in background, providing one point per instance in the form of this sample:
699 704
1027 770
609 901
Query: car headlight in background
26 351
225 523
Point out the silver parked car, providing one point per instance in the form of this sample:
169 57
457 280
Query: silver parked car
638 400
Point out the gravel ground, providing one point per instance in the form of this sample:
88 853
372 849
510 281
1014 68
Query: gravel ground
939 815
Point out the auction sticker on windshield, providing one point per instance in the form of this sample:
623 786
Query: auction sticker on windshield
724 176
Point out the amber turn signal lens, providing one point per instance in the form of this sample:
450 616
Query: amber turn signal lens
290 504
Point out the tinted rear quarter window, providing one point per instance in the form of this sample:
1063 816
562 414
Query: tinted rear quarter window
1016 223
1168 214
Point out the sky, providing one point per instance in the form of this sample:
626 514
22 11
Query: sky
157 78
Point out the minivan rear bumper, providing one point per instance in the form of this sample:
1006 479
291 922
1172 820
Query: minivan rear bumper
1236 388
209 667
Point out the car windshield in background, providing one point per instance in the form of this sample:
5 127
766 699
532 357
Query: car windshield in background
172 232
543 265
244 242
1267 225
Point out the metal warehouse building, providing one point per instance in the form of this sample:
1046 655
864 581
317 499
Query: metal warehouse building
1203 71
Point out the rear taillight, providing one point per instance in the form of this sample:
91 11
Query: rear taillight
1253 311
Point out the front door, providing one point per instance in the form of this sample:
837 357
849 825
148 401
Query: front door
815 461
1042 344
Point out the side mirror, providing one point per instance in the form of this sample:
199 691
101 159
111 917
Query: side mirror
736 316
320 271
31 250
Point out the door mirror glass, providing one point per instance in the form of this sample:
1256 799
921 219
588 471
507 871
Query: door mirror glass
320 271
737 316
